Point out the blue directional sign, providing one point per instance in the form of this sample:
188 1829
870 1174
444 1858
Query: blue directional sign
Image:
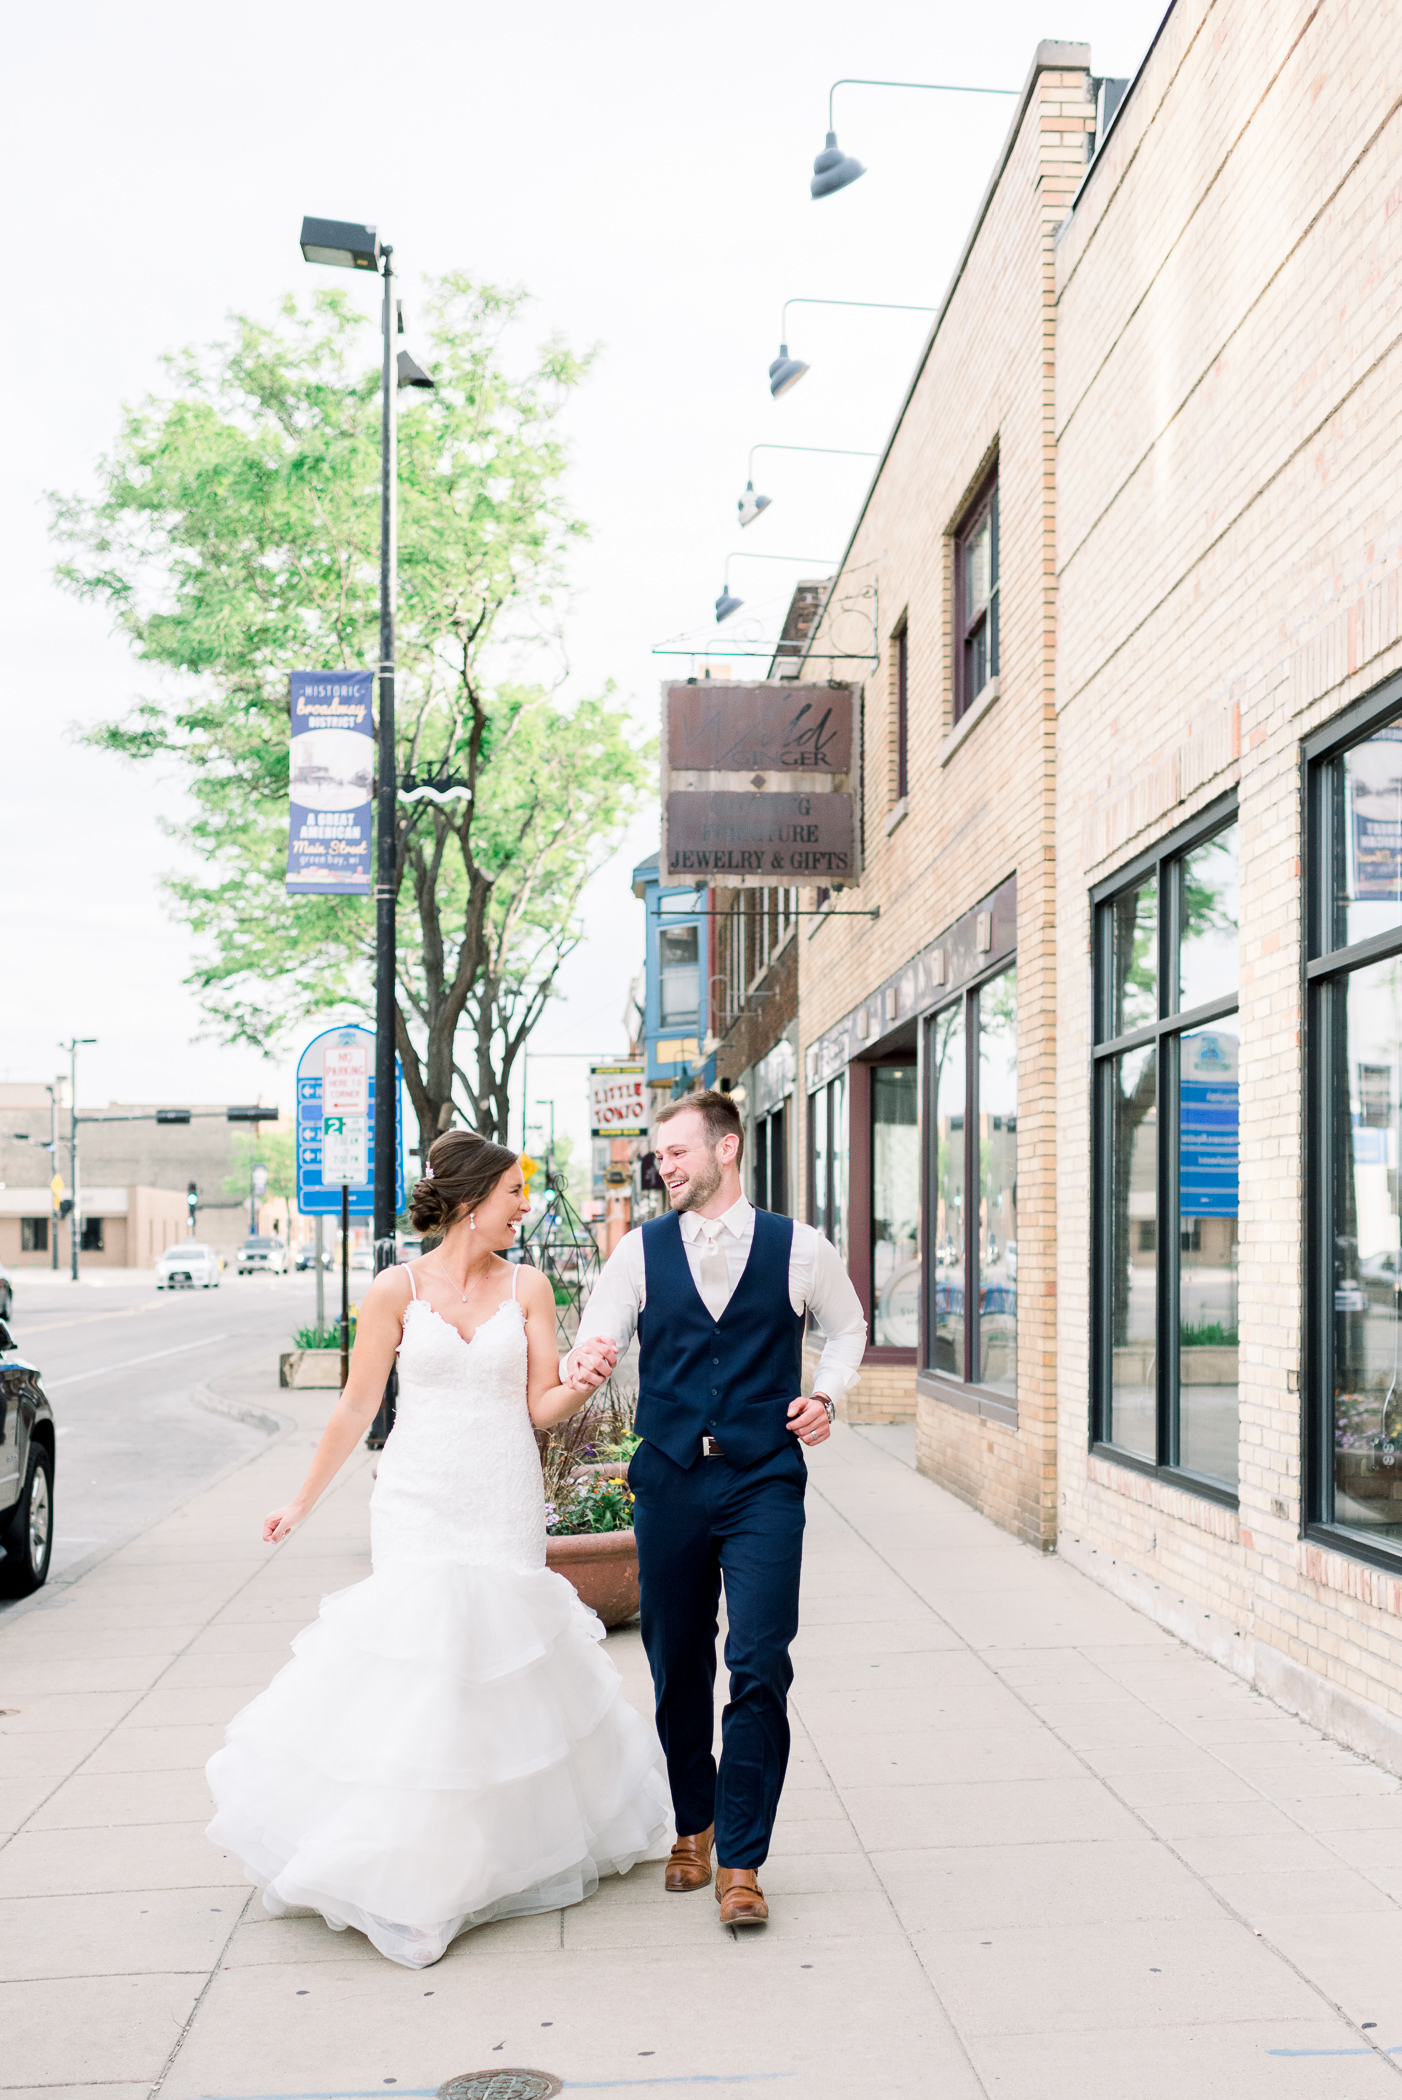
316 1197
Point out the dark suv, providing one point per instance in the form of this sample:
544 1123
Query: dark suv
26 1472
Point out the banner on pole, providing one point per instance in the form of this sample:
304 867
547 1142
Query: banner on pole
333 765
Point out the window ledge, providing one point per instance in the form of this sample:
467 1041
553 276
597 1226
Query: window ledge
970 719
969 1399
899 813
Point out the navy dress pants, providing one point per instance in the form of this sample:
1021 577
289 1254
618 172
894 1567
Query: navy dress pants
699 1526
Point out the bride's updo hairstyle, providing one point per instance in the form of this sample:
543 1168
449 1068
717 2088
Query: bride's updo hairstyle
463 1169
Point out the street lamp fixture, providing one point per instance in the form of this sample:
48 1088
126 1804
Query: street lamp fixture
786 371
751 505
833 169
727 603
343 243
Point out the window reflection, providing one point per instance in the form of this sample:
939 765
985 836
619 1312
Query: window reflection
1134 966
947 1042
1367 1311
997 1231
1207 1255
1134 1250
895 1199
1368 837
1207 956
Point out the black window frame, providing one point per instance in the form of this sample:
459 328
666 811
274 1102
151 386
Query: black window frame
902 711
984 505
770 1166
1322 968
33 1235
1165 1032
966 1391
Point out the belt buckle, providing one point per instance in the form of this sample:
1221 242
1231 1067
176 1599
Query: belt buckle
710 1447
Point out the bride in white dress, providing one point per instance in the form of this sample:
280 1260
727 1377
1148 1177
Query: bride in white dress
450 1744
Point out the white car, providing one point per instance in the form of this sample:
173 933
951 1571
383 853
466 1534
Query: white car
190 1266
263 1256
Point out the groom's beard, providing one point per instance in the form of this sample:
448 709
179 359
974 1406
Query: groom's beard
701 1187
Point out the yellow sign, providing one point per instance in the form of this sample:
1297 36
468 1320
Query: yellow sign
56 1189
529 1166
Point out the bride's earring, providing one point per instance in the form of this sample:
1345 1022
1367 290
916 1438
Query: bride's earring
472 1221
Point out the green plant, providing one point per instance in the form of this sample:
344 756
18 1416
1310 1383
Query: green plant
598 1503
320 1337
1210 1335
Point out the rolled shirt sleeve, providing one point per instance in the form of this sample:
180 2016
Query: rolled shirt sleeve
837 1309
612 1310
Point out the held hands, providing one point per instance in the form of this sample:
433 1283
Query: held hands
591 1362
808 1420
279 1523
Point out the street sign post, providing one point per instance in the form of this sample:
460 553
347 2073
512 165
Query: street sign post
336 1125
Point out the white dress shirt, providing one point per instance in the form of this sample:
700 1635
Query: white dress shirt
818 1283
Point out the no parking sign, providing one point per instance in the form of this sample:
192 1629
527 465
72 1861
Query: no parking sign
336 1124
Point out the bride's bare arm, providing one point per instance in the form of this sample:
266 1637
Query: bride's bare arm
377 1336
548 1400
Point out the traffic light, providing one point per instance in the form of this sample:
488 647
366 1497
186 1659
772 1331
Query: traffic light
192 1198
172 1115
65 1208
252 1115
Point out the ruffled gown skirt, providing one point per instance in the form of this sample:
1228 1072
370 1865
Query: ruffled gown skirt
449 1745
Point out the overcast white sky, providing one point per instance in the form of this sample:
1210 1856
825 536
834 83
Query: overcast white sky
643 170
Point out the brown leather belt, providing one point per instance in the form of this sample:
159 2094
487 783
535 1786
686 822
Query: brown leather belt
711 1447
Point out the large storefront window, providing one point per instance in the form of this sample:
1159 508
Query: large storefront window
971 1050
1166 1160
1355 1065
827 1176
895 1207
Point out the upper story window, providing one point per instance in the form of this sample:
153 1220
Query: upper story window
679 975
1354 1148
901 741
1165 1170
976 601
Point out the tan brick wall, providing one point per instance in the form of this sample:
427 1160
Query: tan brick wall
1229 545
985 392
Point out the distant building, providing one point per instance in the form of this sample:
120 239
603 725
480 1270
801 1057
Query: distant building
677 996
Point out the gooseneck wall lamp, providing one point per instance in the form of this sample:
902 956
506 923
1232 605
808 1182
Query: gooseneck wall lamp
786 371
750 505
833 170
726 604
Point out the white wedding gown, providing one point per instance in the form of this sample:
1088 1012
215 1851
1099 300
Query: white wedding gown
450 1744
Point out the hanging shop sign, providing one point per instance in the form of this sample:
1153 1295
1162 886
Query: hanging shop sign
336 1124
758 784
617 1100
332 772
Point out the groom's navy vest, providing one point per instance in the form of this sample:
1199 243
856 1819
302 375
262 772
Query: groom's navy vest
731 1378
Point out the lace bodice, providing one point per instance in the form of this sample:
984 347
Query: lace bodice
459 1477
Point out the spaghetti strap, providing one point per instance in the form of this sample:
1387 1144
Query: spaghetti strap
515 1279
413 1287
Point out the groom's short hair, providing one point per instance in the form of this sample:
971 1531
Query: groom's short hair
716 1110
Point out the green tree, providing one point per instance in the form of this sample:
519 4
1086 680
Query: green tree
274 1149
235 538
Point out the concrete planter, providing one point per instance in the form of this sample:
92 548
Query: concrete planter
603 1566
310 1367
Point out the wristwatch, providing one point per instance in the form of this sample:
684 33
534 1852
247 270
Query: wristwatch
832 1411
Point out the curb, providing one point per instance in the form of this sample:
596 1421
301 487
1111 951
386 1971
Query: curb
255 1417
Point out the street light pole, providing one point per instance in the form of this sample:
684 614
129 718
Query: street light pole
75 1216
386 1122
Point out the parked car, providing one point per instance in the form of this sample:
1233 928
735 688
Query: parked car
263 1256
7 1293
306 1256
26 1472
188 1267
362 1258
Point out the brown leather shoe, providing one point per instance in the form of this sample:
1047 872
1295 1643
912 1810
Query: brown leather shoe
690 1864
740 1897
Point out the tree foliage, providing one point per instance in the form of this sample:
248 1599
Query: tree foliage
235 538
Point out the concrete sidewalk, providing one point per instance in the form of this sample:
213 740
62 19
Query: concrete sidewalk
1030 1845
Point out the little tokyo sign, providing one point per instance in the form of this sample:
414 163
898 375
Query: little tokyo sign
757 784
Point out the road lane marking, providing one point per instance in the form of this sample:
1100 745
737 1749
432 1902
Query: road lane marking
106 1370
128 1312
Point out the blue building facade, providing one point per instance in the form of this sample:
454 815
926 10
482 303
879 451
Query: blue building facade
676 1010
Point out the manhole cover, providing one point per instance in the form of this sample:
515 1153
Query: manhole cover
502 2085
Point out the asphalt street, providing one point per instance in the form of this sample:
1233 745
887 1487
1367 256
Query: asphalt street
121 1362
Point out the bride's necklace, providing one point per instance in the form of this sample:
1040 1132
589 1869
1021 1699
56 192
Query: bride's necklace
462 1295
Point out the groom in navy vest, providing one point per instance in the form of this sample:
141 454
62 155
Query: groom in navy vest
719 1293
